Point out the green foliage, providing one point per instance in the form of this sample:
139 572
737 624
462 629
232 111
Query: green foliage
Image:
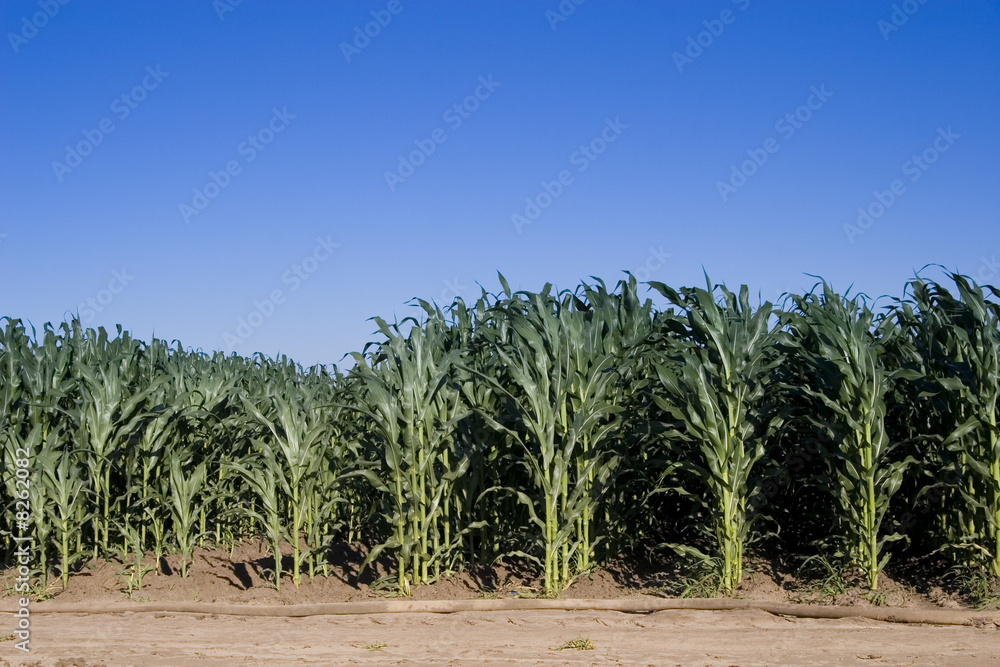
955 350
557 428
407 388
712 389
836 345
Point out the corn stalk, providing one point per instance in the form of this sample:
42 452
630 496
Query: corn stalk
712 392
839 345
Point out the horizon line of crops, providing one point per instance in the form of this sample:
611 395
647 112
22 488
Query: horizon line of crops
559 428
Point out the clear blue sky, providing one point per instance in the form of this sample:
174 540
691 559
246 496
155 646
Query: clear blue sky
310 129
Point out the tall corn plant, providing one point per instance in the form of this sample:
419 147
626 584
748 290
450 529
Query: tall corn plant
14 346
444 338
30 445
481 496
837 344
561 379
109 411
596 337
623 320
358 507
712 391
334 494
167 473
407 389
956 343
535 358
41 388
214 422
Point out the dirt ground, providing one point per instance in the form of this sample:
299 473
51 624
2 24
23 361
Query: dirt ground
677 637
243 577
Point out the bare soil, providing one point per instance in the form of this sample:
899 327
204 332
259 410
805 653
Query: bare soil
245 576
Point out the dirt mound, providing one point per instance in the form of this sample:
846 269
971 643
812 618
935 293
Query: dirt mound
245 576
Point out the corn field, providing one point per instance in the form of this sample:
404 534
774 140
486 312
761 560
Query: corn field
556 428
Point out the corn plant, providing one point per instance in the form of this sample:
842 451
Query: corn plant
28 492
407 390
956 345
131 555
838 343
64 488
13 341
208 395
482 497
712 391
108 413
187 488
155 518
259 471
300 428
619 321
551 427
41 372
561 377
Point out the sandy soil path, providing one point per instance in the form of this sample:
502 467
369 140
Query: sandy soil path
747 637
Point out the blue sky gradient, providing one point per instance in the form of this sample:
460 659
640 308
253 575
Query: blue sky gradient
828 101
